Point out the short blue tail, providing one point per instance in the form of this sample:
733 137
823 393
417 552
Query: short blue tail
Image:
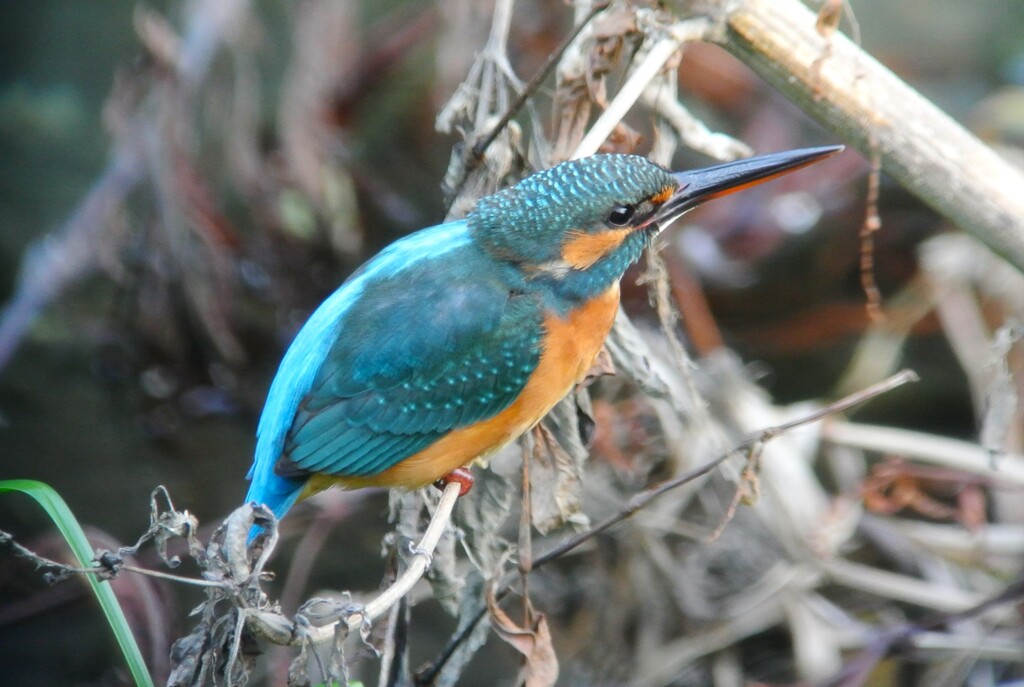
275 492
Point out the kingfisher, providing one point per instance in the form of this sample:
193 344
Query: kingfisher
459 338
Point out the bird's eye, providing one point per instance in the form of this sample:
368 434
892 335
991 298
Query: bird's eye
620 215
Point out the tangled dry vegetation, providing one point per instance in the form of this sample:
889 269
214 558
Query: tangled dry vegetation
794 545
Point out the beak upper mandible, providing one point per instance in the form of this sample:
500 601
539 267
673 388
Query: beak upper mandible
699 185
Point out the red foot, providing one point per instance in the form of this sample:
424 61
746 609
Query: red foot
462 476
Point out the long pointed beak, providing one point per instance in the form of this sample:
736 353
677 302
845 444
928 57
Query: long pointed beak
699 185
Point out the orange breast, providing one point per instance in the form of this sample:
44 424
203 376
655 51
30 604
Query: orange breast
570 346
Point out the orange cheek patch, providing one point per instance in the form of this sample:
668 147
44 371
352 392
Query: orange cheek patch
581 249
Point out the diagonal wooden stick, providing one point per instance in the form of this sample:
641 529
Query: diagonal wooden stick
858 98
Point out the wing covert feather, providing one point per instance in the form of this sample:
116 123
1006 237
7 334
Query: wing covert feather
409 367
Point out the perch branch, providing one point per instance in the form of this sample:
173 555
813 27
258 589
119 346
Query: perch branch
856 97
278 630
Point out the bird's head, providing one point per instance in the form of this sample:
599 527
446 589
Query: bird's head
576 227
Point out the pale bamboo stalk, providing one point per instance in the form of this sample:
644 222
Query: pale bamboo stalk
898 587
987 648
994 539
928 448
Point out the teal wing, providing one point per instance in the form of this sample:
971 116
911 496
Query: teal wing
415 358
405 350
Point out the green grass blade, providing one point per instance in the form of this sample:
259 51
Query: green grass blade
55 507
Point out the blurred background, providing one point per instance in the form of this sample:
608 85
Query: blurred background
283 158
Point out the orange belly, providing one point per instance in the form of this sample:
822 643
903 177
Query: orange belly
571 345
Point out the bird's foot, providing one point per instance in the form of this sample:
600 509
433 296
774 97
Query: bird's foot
462 476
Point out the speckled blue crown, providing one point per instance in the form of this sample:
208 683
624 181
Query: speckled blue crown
526 222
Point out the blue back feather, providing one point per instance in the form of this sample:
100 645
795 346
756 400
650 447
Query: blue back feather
306 355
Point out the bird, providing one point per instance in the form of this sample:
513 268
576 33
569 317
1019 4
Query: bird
457 339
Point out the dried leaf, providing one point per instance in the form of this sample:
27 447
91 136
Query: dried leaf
603 366
616 22
187 656
623 139
632 356
612 33
540 667
475 111
586 424
556 468
828 17
573 105
298 670
582 76
480 516
337 668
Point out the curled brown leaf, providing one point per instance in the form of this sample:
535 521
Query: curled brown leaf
533 641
